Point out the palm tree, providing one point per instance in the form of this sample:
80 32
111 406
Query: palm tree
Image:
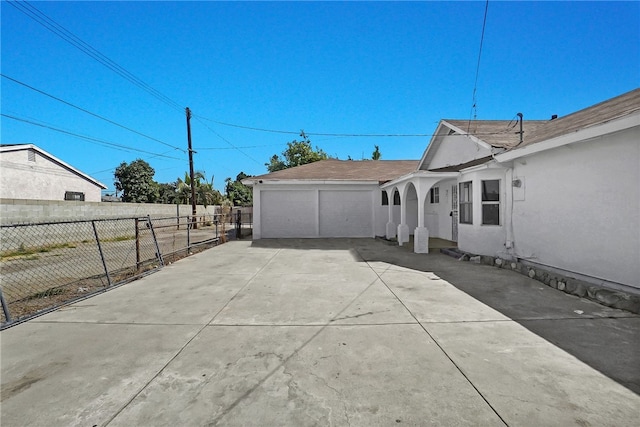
205 193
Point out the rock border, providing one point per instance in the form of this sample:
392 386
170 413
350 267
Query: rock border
570 285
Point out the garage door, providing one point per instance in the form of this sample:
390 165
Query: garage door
346 213
288 213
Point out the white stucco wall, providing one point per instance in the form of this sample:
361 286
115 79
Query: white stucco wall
381 215
455 150
317 210
41 179
477 238
579 208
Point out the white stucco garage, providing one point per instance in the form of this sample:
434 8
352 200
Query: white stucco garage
330 198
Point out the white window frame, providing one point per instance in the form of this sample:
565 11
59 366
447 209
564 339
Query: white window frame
465 192
434 195
490 202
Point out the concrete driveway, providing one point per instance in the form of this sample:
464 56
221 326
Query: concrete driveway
349 332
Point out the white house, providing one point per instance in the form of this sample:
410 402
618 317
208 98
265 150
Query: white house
561 193
29 172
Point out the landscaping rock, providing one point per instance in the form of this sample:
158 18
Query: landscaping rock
608 297
580 290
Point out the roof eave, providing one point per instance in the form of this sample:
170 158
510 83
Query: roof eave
580 135
55 160
250 182
475 139
431 144
418 174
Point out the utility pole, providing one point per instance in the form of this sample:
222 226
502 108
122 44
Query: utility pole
193 187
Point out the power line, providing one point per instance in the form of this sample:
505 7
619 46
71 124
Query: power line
357 135
247 127
236 148
89 112
113 169
88 138
475 84
42 19
227 141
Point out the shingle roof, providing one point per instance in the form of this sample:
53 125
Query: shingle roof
459 167
505 134
603 112
498 133
344 170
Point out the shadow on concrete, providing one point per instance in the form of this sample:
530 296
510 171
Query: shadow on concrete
606 339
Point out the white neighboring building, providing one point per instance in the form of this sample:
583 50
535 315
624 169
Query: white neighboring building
28 172
562 193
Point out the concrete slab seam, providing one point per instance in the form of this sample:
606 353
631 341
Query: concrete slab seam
243 287
441 349
284 361
135 395
310 325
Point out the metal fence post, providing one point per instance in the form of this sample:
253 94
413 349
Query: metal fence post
104 262
137 221
189 221
5 308
153 233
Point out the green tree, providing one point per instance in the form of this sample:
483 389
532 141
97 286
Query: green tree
376 153
205 193
297 153
237 192
135 180
167 193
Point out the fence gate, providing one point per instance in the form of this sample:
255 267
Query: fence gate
238 224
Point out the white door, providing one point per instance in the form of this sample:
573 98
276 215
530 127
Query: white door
288 213
346 213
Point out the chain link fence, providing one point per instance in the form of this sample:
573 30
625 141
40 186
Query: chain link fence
45 265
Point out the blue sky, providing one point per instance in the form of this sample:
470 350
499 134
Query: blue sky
325 67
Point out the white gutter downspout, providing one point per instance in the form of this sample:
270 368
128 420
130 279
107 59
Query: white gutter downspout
509 243
508 220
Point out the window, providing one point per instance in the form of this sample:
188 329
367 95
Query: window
466 202
396 198
74 195
491 202
385 198
435 195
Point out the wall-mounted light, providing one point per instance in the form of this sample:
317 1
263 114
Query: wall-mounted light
516 183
